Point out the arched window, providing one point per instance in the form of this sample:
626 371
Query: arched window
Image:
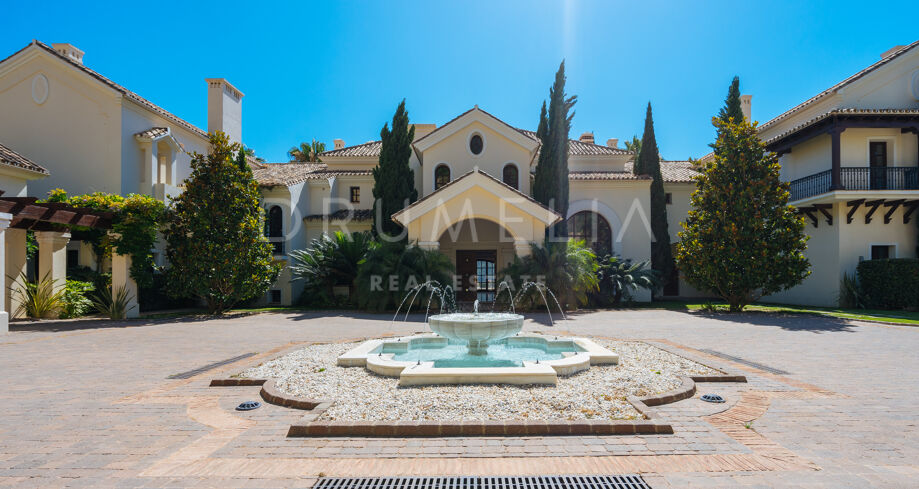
511 176
441 176
275 222
593 229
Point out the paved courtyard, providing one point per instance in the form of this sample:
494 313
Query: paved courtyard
86 404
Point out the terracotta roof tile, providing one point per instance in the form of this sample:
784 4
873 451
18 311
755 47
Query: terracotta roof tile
153 133
370 148
277 174
8 157
671 171
835 88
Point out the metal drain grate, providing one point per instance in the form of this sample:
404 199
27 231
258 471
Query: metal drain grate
212 366
537 482
746 362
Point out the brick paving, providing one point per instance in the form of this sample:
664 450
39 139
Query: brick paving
89 405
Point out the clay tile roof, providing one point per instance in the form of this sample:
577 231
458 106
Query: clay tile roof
371 148
842 112
671 171
124 91
153 132
286 174
581 148
835 88
343 215
8 157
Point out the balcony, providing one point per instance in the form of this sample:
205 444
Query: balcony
856 178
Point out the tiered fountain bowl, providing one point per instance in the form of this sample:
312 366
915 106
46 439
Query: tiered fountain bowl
476 329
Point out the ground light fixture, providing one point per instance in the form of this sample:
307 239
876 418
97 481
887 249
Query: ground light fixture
248 406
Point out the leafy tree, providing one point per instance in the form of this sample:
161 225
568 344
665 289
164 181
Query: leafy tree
568 269
392 269
619 278
741 239
251 153
732 109
214 231
649 163
550 186
330 261
306 152
393 178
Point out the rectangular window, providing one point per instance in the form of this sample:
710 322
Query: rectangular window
274 296
881 252
355 195
668 198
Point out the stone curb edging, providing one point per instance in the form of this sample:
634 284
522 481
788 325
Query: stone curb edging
270 393
415 429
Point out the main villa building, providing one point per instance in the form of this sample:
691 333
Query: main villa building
850 153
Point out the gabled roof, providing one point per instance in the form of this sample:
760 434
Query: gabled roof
843 112
10 158
575 147
432 137
118 88
835 88
491 180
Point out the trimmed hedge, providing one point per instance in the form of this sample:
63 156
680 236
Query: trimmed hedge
889 284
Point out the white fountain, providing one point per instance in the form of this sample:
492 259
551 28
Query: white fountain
476 329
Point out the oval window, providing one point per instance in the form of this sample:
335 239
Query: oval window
476 144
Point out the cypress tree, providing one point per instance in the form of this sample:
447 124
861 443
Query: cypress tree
553 156
635 146
649 162
544 182
731 107
393 178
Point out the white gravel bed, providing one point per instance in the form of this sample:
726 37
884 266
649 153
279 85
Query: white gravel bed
358 394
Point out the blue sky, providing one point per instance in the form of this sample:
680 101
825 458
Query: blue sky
338 69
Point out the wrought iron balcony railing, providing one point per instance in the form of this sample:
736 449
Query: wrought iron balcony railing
857 178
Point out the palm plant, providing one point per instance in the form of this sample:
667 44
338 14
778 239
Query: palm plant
39 299
330 261
391 269
569 270
306 152
622 277
115 306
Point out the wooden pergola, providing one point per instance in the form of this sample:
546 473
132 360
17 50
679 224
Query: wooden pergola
51 222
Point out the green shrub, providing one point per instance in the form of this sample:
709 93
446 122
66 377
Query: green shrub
75 301
391 269
37 299
328 262
889 283
619 278
114 306
569 269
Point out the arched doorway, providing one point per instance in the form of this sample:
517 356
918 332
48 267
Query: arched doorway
480 249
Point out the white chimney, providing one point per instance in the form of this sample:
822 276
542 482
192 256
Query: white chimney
612 142
746 105
69 51
891 51
339 143
587 137
224 109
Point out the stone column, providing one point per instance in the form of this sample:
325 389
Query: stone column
52 257
121 277
15 242
151 164
5 219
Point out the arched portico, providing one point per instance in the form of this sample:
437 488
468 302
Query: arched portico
477 196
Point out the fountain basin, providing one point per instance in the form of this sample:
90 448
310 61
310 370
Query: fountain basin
476 329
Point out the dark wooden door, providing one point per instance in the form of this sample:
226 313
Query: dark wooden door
878 163
473 266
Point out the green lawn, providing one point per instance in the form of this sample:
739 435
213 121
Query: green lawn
899 317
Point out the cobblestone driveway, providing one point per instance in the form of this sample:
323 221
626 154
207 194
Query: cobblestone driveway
90 405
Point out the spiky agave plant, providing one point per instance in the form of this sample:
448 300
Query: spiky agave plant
39 299
624 277
115 306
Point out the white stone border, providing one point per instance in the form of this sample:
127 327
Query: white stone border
424 373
